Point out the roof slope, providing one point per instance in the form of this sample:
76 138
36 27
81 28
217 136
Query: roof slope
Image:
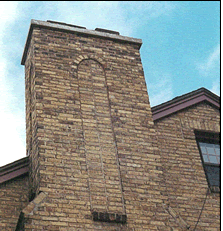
184 101
14 169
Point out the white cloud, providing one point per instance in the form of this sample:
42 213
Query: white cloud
210 69
161 89
92 14
216 87
211 63
149 9
12 121
8 12
112 15
11 118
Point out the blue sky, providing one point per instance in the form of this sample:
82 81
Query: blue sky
180 51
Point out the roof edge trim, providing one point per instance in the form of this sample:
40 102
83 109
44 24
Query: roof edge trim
14 169
184 101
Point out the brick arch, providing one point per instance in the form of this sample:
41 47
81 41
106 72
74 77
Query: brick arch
81 58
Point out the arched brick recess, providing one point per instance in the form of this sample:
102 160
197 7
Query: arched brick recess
100 148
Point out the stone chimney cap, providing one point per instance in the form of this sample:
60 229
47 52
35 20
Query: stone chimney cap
98 32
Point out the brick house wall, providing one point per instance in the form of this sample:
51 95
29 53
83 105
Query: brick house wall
99 157
184 176
13 198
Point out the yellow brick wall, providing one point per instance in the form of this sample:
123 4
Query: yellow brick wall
184 177
13 198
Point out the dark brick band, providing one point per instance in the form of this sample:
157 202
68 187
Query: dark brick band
109 217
